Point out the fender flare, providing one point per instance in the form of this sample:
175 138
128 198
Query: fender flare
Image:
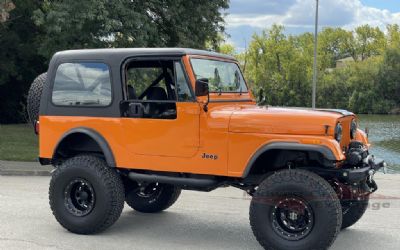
97 137
294 146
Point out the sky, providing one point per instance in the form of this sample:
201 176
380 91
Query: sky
246 17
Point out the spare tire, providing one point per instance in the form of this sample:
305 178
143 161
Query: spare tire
34 96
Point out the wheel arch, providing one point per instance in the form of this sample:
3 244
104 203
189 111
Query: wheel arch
83 139
280 147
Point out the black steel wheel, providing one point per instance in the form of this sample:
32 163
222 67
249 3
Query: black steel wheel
293 218
86 196
296 210
151 197
79 197
149 191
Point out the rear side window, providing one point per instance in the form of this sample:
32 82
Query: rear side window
82 84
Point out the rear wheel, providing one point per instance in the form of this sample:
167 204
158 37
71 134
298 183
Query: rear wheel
295 209
86 196
152 197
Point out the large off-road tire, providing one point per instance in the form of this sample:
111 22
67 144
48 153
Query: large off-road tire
354 211
86 196
34 96
297 210
152 197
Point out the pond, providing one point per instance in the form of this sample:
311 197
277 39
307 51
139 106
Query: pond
384 135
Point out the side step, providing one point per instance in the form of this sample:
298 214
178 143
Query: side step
185 182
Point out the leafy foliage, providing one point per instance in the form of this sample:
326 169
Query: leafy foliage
276 64
32 30
19 61
279 67
126 23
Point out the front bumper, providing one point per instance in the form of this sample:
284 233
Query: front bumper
351 175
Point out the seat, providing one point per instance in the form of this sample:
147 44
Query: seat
155 109
157 93
131 93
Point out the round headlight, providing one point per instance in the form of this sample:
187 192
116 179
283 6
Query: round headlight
353 129
338 132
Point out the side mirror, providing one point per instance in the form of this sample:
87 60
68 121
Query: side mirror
202 87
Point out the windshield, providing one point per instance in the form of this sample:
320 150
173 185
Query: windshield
222 76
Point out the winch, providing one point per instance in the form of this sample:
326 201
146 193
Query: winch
356 153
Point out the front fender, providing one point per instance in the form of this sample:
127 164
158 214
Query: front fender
326 150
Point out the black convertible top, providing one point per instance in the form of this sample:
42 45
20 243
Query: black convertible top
122 52
115 59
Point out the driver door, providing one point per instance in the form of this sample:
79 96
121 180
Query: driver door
162 117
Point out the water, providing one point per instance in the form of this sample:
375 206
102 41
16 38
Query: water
384 135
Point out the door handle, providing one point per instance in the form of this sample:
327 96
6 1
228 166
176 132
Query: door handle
135 110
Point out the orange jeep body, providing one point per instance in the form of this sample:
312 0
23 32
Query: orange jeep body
140 125
233 129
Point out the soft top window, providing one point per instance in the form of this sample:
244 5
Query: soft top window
82 84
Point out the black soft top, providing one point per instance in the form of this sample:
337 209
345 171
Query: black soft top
114 58
124 52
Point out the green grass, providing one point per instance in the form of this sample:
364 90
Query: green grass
18 143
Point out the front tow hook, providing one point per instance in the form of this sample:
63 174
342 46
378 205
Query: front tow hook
381 165
376 163
384 169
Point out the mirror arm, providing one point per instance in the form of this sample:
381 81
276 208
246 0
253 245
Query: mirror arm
205 106
201 89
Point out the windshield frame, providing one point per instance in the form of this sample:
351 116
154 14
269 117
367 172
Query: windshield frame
247 91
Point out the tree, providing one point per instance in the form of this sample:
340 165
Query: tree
126 23
32 30
389 77
369 41
279 65
393 35
19 61
227 49
5 7
332 46
280 68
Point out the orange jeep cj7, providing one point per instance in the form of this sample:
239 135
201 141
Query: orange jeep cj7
139 125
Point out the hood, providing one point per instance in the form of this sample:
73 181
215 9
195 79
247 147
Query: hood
296 121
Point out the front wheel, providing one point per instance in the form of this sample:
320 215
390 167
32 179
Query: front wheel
353 211
295 209
152 197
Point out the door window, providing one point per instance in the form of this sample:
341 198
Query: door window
154 87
